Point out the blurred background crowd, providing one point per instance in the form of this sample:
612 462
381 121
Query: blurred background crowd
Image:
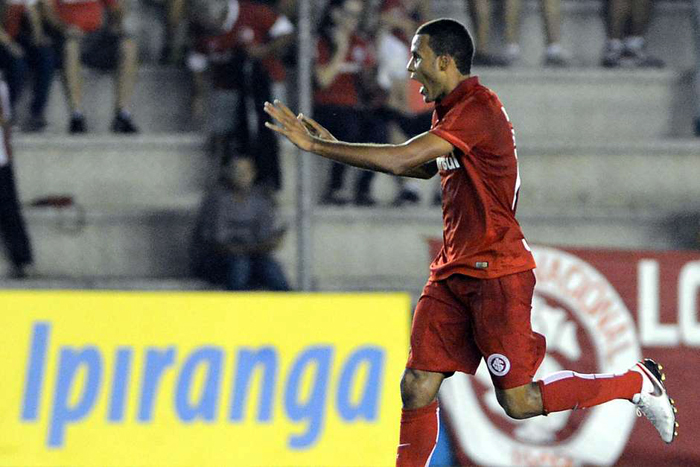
127 114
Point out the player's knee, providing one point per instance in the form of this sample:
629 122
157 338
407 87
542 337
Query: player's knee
418 388
520 403
515 410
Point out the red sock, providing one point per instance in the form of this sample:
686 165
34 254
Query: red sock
419 433
567 390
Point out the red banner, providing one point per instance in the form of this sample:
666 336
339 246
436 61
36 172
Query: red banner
601 311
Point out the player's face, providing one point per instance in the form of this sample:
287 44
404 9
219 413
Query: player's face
423 67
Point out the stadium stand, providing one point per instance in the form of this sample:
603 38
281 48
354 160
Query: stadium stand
606 159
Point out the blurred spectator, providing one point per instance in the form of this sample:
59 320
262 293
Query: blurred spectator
404 106
237 231
554 55
83 36
627 22
12 226
238 43
173 45
480 12
345 64
24 45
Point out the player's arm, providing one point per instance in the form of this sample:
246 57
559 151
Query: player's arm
408 159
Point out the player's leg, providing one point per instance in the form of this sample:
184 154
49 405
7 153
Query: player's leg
634 44
568 390
480 15
513 352
343 122
124 85
512 30
441 343
555 54
419 417
43 61
642 385
73 82
617 16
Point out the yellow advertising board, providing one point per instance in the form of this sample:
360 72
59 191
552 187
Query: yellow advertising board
200 379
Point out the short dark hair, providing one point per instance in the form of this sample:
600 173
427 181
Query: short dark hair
450 37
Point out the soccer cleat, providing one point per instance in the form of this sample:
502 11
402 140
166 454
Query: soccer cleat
653 401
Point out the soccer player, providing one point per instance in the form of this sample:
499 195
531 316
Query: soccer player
477 301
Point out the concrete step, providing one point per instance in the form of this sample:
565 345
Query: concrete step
171 170
353 248
660 175
671 33
386 249
105 170
593 105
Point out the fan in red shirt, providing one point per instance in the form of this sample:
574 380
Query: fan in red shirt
477 302
238 43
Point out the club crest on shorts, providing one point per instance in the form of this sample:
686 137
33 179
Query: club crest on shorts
498 364
587 325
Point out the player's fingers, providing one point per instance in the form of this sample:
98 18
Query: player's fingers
285 110
312 123
277 128
282 117
273 112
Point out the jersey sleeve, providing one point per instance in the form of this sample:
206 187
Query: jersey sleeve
465 127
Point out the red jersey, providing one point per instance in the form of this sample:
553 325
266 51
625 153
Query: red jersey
480 183
252 23
84 14
13 14
343 91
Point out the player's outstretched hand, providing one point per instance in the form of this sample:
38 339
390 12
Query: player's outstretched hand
315 128
289 125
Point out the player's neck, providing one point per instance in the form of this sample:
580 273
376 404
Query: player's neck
452 82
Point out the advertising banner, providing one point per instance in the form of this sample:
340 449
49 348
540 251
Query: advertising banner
200 379
601 311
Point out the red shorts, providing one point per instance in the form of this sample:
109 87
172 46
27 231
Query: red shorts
462 319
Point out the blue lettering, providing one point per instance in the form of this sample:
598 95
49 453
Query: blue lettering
69 364
313 409
122 371
206 407
373 357
157 360
248 360
35 373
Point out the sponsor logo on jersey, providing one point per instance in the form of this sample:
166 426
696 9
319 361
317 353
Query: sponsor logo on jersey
590 330
446 163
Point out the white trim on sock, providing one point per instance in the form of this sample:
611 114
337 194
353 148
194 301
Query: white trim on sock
437 436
